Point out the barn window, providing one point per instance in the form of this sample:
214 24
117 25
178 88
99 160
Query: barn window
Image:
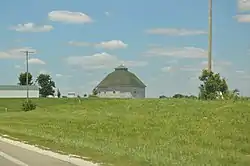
134 91
114 92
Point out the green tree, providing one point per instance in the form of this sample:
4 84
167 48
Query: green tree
236 92
212 85
162 97
46 85
233 94
58 93
22 79
192 97
178 96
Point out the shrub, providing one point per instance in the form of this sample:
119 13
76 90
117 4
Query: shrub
28 106
93 96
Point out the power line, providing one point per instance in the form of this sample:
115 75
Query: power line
27 71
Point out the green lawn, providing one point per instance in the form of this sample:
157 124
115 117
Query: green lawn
148 132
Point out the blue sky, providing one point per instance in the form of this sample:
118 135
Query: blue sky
163 41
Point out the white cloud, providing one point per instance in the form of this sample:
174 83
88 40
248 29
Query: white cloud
17 66
175 32
59 75
44 72
217 63
31 27
62 75
190 68
20 40
173 61
243 18
218 66
36 61
184 68
185 52
112 44
134 63
17 53
240 71
96 61
101 61
244 4
107 13
69 17
79 44
223 63
167 69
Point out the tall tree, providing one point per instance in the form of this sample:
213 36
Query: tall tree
46 85
212 85
22 79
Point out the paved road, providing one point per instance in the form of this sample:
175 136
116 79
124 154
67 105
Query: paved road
5 162
11 155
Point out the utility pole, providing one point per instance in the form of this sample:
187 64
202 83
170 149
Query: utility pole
27 71
210 36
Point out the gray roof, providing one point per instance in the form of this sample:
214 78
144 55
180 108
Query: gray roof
121 77
18 87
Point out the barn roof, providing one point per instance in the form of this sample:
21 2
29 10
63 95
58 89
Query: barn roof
18 87
121 77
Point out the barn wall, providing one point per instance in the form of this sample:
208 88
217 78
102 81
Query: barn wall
122 92
18 93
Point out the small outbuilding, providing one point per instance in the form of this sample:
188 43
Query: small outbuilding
18 91
121 83
71 95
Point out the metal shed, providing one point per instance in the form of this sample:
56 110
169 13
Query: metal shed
18 91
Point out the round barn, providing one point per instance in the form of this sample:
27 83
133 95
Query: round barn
121 83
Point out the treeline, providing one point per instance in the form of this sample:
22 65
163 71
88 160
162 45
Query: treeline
212 87
179 96
44 81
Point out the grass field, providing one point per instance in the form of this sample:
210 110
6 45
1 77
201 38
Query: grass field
148 132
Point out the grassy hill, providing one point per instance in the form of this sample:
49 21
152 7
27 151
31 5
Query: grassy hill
148 132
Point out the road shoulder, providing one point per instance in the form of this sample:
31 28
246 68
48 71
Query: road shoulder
66 158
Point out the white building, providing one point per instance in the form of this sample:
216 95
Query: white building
18 91
117 94
71 95
121 83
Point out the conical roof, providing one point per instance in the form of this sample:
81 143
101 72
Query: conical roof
121 77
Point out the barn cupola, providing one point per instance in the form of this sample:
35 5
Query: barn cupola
121 67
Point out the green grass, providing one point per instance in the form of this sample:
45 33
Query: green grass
136 132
